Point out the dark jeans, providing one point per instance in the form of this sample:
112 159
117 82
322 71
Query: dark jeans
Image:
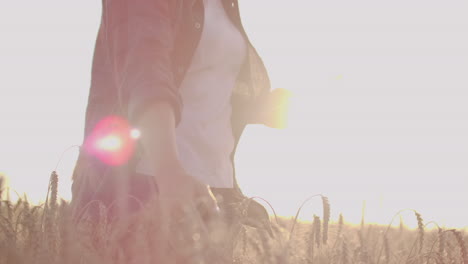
228 200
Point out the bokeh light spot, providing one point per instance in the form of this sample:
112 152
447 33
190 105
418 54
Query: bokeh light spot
135 134
112 141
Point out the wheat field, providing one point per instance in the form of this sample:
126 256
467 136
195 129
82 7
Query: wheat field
46 233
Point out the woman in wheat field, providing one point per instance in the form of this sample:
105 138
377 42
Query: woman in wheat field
174 83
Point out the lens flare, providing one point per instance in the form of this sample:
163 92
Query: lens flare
135 134
112 141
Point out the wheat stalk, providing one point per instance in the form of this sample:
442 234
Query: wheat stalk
2 183
344 252
386 249
311 242
326 218
53 191
461 245
339 230
420 231
340 225
363 215
291 232
441 249
317 230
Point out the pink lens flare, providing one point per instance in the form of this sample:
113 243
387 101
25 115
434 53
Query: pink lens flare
112 141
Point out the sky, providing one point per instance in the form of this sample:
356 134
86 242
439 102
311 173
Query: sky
379 110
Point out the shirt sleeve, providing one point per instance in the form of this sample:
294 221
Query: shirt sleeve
140 40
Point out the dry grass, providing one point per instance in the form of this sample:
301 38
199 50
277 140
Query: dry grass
46 234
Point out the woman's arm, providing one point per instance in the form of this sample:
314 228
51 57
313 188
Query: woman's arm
177 189
158 136
139 38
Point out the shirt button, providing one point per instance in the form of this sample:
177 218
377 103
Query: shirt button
197 25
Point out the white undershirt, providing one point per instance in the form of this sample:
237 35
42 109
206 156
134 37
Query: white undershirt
204 135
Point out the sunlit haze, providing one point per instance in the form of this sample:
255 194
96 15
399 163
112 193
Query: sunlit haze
379 110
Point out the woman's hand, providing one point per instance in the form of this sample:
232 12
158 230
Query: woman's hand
275 111
181 195
178 191
186 207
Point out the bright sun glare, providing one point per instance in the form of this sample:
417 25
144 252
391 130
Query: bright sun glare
110 143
